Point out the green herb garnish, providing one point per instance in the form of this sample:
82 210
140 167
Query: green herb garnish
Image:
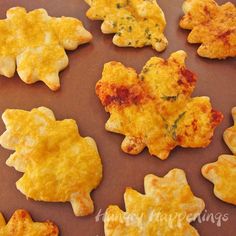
169 98
174 126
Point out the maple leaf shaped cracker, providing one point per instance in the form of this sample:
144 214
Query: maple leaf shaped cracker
21 224
222 173
58 164
155 109
166 208
211 25
136 23
35 43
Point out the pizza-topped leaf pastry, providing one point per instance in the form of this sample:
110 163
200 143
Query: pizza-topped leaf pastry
58 164
213 26
155 109
222 173
167 208
34 44
135 23
21 224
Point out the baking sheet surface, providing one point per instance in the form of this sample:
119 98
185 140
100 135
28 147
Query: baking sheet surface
76 99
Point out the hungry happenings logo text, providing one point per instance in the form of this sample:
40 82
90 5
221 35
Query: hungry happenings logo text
173 219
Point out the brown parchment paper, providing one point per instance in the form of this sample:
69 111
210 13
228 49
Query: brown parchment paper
76 99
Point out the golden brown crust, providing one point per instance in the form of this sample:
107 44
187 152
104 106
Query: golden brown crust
230 134
166 208
35 43
21 224
222 174
58 164
211 25
154 109
136 23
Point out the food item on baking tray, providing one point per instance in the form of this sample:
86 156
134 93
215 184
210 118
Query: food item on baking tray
135 23
21 224
167 208
34 44
155 108
212 26
58 164
230 134
222 173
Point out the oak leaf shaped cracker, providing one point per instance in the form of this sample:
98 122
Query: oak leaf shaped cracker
212 26
21 224
166 208
135 23
222 173
154 109
58 164
35 43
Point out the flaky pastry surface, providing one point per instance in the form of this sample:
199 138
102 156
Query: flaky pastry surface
230 134
34 43
166 208
21 224
58 164
212 25
222 173
135 23
155 108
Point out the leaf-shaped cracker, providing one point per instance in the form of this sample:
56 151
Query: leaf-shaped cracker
21 224
136 23
211 25
230 134
155 109
36 43
166 208
58 164
222 173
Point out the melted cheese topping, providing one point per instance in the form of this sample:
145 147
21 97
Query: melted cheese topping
58 164
222 174
166 208
136 23
154 109
21 224
230 134
211 25
37 42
